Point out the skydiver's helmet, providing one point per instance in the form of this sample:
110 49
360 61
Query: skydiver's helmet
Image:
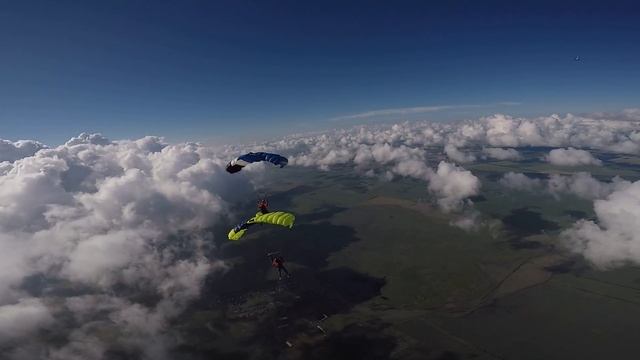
232 167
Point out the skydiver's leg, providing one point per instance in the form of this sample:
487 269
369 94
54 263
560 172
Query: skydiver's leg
286 271
280 272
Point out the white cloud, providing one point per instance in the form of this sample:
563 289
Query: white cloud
84 138
100 213
22 318
556 131
452 185
12 151
517 181
405 149
396 112
459 140
458 156
103 214
632 114
80 346
571 157
417 110
386 151
584 185
502 154
407 111
615 238
93 261
468 221
581 184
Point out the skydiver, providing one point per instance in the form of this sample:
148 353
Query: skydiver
278 262
263 206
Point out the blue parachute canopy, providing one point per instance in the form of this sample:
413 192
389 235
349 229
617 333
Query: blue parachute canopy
238 163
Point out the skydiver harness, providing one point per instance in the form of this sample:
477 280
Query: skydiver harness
277 262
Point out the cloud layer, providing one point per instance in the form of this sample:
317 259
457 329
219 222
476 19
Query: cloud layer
105 217
580 184
385 152
110 218
418 149
499 135
415 149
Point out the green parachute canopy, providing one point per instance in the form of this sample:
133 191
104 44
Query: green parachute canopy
274 218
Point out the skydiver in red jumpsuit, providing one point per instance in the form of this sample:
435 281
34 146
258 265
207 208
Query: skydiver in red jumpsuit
278 262
263 206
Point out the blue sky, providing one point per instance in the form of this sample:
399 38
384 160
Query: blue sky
235 70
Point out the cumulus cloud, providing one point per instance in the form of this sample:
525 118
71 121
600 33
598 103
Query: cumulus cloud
388 152
557 131
468 222
632 114
584 185
502 154
12 151
471 220
407 149
615 238
85 138
499 135
23 318
458 156
518 181
571 157
581 184
452 185
105 216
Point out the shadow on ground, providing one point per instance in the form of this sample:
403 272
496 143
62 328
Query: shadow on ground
312 291
523 222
